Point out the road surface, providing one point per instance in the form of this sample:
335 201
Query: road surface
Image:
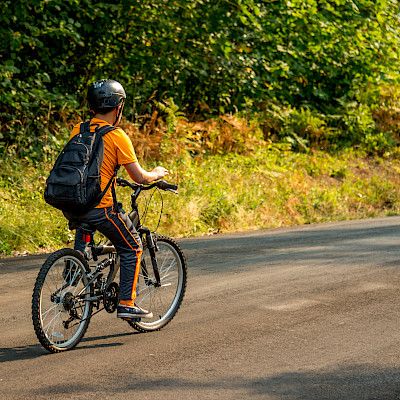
303 313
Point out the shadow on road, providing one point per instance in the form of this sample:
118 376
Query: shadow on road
111 336
21 353
352 382
91 339
356 382
34 351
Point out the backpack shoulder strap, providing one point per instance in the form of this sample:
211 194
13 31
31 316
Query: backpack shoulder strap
105 129
85 127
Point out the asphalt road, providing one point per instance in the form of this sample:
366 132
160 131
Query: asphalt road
303 313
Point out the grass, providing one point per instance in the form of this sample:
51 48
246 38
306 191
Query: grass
270 187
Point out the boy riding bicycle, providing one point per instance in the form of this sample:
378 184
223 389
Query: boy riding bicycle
106 100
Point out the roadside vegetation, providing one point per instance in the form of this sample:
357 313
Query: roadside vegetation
236 182
267 113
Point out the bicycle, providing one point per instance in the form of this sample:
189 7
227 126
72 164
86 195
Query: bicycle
72 287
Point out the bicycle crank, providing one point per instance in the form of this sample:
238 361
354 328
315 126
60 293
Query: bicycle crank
110 297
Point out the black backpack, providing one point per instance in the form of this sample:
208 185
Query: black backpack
74 182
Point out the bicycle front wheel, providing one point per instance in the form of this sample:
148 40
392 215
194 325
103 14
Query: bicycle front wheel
61 308
163 301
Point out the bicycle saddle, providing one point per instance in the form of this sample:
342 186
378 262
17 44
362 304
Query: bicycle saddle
72 225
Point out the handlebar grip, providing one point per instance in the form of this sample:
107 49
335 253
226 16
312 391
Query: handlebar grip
167 186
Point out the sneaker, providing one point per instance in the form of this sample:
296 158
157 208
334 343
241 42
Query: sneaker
134 312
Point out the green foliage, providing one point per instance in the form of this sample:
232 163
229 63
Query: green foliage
171 112
239 97
302 129
221 193
378 143
355 122
210 57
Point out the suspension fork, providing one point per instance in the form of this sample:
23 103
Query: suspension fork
152 246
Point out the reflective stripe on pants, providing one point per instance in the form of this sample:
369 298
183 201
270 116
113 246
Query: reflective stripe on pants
118 228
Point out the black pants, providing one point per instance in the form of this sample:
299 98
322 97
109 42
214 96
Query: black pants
118 228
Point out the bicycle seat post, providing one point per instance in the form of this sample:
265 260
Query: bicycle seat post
87 237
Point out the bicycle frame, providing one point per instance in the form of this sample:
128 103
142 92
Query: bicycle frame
59 302
112 262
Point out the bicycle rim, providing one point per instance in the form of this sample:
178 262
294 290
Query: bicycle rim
60 310
162 301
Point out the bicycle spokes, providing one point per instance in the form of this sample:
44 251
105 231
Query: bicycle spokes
59 302
162 299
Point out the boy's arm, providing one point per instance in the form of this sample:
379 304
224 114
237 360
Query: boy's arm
140 175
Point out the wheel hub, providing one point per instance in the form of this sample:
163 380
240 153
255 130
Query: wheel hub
68 301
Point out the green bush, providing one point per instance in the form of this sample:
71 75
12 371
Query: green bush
211 57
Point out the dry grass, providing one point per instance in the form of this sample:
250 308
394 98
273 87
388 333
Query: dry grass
222 135
230 179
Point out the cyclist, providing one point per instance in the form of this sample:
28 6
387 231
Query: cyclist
106 100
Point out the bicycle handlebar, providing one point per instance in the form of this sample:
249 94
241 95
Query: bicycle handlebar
163 185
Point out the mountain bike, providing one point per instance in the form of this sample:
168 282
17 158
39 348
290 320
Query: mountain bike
72 287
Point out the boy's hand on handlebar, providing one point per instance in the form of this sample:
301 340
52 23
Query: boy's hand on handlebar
142 176
160 172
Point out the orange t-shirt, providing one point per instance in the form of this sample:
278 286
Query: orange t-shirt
118 150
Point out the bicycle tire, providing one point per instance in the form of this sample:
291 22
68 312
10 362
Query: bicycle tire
168 278
62 300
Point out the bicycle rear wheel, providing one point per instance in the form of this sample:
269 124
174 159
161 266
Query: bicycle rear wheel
60 307
163 301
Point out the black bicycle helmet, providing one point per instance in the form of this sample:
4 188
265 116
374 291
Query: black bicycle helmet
105 95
